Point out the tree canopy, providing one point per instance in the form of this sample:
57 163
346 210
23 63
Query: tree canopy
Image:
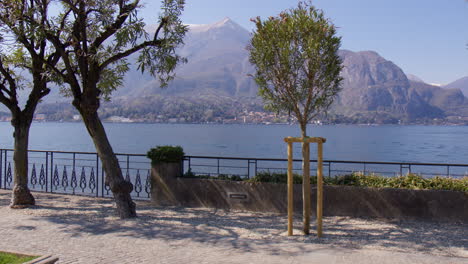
25 56
296 60
93 40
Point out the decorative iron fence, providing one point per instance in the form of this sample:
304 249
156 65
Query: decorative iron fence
81 173
78 173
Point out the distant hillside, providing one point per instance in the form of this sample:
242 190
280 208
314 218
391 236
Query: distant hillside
461 84
374 85
375 90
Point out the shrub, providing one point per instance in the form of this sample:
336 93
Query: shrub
409 181
166 154
275 177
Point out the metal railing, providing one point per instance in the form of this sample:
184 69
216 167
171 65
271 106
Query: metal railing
249 167
76 172
81 173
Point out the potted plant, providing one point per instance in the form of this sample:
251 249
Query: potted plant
167 161
167 164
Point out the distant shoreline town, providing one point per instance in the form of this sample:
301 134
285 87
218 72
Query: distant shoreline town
252 117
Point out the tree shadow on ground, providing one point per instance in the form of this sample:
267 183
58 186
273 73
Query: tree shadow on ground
246 231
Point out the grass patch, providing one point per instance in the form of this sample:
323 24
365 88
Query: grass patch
409 181
10 258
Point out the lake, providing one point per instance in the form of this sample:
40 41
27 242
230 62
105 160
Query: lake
438 144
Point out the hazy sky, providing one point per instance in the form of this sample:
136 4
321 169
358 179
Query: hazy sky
427 38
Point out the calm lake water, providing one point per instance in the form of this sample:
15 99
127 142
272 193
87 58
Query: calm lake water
439 144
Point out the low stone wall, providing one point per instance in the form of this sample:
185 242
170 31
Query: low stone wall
338 200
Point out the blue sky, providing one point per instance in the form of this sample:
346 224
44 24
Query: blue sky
427 38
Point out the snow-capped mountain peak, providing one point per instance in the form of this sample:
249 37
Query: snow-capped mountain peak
225 23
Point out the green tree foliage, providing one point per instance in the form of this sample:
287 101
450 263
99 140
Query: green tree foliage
24 52
297 70
94 40
296 60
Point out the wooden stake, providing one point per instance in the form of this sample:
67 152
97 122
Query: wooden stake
319 188
306 186
306 182
290 189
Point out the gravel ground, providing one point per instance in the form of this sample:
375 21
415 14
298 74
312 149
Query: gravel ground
73 227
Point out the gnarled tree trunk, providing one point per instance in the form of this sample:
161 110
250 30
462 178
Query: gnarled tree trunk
120 188
21 196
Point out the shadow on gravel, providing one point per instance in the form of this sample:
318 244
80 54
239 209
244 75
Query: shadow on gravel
246 231
5 198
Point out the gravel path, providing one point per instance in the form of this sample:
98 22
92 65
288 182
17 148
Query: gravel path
84 230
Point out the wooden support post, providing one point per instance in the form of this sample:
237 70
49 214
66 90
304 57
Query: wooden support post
319 188
290 189
306 186
306 182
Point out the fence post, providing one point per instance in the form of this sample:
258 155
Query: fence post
1 159
5 168
46 170
189 163
256 161
103 186
51 171
97 175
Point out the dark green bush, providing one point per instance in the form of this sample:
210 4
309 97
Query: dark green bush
166 154
275 177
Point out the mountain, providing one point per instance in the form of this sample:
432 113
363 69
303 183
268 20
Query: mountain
451 101
414 78
217 76
372 84
461 84
217 64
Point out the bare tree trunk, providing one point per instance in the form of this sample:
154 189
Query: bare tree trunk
21 197
120 188
305 181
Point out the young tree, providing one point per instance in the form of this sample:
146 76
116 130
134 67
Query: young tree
94 38
22 50
297 70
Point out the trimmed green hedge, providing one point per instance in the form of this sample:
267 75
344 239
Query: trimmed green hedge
410 181
166 154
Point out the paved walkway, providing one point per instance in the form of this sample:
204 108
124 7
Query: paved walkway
84 230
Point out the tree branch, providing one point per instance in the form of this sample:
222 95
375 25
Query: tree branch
124 12
11 81
128 52
69 77
6 101
156 33
71 5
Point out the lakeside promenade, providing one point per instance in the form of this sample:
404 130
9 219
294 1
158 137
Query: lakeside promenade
84 230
